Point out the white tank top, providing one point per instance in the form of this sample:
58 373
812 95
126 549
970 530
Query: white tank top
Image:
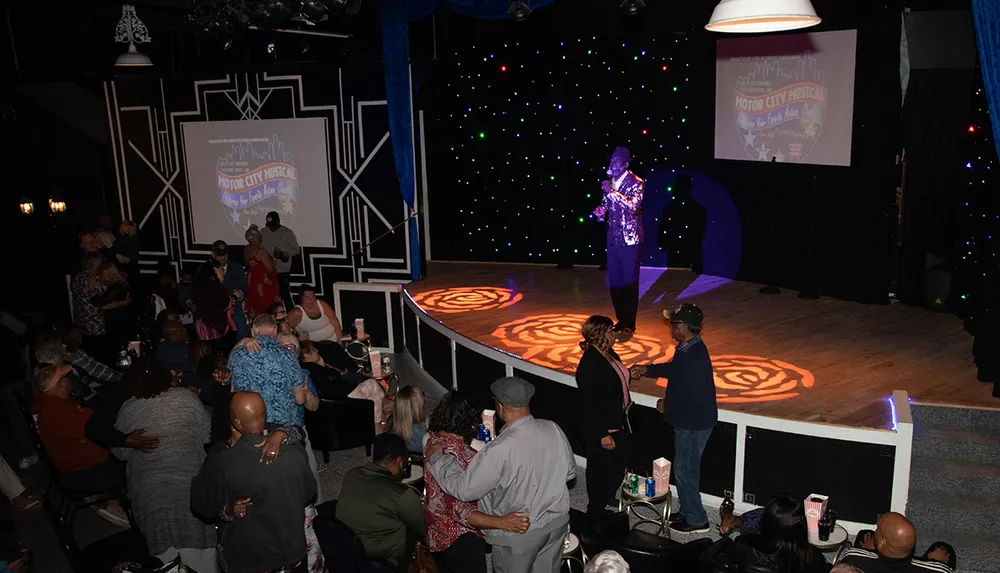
317 329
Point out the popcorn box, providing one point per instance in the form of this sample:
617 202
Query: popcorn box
661 473
815 506
489 421
376 360
359 325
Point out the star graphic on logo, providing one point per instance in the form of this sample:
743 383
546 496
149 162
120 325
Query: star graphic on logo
762 152
749 137
235 215
286 205
810 129
779 156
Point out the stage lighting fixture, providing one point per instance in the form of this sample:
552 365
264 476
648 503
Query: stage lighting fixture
519 11
755 16
633 7
27 206
56 206
131 30
270 47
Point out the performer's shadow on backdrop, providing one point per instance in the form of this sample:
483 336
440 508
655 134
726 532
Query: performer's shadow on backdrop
691 222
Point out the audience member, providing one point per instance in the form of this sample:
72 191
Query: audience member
104 232
890 549
116 301
89 316
281 242
13 489
385 513
525 468
453 527
409 421
782 545
689 406
260 508
606 562
942 553
54 346
216 392
174 352
159 482
604 403
316 319
235 280
262 275
126 250
83 466
845 568
213 308
261 365
15 389
336 384
14 558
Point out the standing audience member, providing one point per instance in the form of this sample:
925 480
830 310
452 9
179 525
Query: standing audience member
159 482
891 549
104 232
453 527
127 250
604 403
262 275
409 420
83 466
274 373
689 405
260 508
782 543
89 316
213 308
607 562
116 301
281 242
385 513
524 469
235 280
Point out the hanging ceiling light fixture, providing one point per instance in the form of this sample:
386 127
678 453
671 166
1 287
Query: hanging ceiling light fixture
518 10
756 16
131 30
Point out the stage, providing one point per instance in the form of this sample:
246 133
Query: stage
824 361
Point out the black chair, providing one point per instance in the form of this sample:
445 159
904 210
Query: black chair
375 565
713 560
644 552
341 547
130 546
340 425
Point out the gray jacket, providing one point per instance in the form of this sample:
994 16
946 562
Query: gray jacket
524 469
285 240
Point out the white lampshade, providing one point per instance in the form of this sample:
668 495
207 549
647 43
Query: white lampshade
756 16
133 58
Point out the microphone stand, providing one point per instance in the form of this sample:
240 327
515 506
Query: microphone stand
391 231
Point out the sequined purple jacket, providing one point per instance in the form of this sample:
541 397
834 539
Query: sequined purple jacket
624 213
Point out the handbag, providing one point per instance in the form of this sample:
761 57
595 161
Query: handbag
422 561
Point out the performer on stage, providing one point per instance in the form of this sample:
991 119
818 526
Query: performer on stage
622 206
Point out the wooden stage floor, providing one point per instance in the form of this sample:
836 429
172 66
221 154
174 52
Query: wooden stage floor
826 361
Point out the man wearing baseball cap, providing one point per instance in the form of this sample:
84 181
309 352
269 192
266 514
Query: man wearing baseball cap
235 279
689 405
524 469
281 242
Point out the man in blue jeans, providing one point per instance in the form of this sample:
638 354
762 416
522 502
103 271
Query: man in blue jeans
688 404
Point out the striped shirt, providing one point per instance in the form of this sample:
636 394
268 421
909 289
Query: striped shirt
872 562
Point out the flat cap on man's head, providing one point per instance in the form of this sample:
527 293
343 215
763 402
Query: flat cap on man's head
513 392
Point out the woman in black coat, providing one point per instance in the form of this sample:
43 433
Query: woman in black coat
604 401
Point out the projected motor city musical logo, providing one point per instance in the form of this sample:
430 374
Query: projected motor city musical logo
781 107
256 176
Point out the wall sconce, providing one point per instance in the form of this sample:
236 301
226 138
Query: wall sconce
27 207
57 206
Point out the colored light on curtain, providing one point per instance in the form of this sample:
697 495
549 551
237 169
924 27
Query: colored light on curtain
986 14
396 18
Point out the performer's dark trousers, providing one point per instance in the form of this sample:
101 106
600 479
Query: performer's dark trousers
285 289
605 471
623 281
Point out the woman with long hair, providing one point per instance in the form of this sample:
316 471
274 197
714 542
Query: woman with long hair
782 546
453 526
604 401
213 308
409 420
159 482
262 275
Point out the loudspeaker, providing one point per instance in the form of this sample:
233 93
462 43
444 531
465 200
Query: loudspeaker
938 272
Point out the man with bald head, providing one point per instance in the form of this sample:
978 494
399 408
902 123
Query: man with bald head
891 549
260 508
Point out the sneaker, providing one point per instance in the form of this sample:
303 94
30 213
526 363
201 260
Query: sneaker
683 527
28 461
114 513
676 517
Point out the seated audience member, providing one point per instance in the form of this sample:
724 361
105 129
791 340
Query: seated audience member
83 466
385 513
334 384
607 562
54 346
13 489
845 568
942 553
453 526
890 549
316 320
260 508
15 390
159 482
116 301
409 421
173 352
782 545
13 556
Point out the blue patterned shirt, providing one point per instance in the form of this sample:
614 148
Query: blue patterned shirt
273 372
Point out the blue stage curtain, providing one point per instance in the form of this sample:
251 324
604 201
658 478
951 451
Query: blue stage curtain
987 17
396 18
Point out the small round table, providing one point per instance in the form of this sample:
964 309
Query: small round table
573 552
838 537
661 517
